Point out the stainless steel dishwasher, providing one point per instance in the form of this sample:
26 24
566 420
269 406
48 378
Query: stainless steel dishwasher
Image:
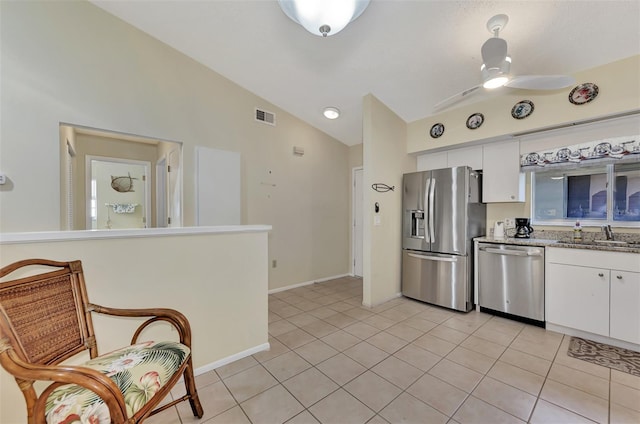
511 280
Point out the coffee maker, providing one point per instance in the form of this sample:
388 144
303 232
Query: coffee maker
523 228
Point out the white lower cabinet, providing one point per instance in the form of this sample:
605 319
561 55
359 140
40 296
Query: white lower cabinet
603 300
624 314
578 297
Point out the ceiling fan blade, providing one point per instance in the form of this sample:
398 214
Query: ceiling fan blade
541 82
455 98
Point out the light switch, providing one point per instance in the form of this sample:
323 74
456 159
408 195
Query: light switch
376 220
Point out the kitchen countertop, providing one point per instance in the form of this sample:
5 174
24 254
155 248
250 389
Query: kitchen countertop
557 243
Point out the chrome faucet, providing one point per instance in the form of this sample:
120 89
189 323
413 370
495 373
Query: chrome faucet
608 232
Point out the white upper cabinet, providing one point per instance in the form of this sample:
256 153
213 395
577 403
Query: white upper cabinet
430 161
502 180
468 156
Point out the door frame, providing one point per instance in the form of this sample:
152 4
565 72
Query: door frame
354 200
162 192
88 175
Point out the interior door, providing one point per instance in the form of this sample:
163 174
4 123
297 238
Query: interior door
174 195
357 222
161 192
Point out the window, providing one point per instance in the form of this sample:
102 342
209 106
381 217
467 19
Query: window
597 195
626 193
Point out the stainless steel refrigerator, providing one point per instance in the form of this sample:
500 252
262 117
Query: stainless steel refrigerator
442 213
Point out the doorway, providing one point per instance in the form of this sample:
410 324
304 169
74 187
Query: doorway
358 219
163 176
117 193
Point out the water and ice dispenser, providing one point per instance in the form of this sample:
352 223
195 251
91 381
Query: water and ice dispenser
417 224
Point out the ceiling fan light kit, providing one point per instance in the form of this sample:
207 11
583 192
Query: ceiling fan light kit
323 17
496 76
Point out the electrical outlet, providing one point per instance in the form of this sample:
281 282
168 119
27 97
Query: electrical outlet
274 263
509 222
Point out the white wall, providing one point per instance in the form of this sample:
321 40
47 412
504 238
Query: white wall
385 161
73 62
219 281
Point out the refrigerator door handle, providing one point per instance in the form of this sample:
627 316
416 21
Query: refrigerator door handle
432 189
427 210
432 258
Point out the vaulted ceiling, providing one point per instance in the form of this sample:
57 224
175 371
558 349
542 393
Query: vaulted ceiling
409 54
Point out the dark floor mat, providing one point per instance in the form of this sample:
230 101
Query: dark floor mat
616 358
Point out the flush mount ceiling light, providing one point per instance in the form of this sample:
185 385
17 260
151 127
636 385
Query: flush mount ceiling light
323 17
331 112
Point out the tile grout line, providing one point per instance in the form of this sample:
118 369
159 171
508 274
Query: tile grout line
406 310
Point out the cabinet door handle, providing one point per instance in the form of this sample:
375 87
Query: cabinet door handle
619 277
600 274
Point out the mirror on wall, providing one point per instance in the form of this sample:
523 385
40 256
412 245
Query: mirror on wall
111 180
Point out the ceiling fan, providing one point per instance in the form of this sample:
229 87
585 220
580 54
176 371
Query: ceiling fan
496 66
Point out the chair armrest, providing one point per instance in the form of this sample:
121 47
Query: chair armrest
88 378
175 318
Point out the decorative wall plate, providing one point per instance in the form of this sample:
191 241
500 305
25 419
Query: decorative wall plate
532 158
583 93
563 154
437 130
522 109
474 121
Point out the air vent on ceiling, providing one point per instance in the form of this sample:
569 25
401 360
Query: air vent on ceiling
266 117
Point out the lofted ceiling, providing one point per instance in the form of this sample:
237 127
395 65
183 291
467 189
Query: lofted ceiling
409 54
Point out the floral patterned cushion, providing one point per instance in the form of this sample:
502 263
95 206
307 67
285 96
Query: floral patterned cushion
139 371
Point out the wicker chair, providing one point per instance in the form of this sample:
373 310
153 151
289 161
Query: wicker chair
46 319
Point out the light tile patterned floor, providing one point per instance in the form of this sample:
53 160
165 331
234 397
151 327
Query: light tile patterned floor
334 361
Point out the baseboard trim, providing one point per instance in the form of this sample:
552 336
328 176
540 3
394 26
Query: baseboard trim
306 283
292 286
595 337
224 361
395 296
320 280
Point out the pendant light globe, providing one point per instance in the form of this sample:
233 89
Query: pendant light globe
323 17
